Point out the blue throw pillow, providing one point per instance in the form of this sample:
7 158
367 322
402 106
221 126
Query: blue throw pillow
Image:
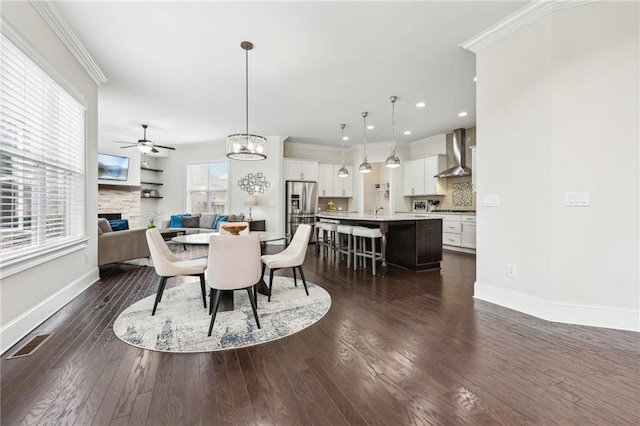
175 221
119 225
220 218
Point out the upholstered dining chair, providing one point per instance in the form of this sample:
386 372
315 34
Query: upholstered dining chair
291 257
233 264
168 265
223 231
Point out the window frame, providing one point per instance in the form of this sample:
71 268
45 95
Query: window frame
12 263
208 191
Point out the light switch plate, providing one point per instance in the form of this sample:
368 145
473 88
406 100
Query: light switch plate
576 199
491 200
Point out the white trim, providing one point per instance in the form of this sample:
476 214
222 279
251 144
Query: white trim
31 260
521 18
590 315
11 333
64 32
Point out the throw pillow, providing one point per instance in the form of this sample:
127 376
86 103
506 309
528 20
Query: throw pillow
119 225
219 219
207 219
175 221
103 226
190 221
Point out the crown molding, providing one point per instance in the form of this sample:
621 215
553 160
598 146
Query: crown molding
521 18
64 32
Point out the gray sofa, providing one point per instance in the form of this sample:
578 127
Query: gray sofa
197 223
117 246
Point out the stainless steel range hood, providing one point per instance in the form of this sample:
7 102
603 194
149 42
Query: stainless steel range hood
458 156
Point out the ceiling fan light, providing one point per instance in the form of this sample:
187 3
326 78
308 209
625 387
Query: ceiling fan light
145 149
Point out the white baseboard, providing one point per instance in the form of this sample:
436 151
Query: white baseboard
590 315
12 332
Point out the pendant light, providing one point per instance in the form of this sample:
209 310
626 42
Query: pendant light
245 146
343 171
393 161
365 167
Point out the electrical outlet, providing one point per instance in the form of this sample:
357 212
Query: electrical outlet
512 271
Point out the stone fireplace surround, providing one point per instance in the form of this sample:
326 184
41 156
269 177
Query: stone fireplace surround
120 199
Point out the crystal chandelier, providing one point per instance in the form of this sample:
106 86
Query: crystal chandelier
365 167
245 146
343 171
393 161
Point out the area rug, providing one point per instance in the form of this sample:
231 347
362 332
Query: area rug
181 323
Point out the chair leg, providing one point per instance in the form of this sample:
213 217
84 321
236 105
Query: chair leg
204 291
303 280
295 281
253 306
215 309
270 284
161 285
211 301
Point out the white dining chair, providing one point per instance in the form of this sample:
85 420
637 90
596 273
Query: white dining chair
233 264
291 257
168 265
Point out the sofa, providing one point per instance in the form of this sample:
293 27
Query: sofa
197 223
117 246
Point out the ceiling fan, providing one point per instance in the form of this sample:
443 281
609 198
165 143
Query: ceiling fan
144 145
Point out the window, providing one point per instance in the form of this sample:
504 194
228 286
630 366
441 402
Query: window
208 187
41 160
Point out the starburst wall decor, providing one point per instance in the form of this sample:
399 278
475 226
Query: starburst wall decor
254 183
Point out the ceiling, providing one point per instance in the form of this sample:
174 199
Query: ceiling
178 67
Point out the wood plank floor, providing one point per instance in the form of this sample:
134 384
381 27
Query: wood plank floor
409 348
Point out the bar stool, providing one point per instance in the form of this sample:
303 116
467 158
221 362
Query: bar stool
360 235
345 231
319 234
329 238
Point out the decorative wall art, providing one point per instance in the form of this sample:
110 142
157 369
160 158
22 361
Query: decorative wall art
254 183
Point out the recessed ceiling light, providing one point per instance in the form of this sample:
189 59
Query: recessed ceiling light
475 78
370 127
407 132
462 114
421 105
345 138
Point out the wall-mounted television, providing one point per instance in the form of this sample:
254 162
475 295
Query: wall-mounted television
113 167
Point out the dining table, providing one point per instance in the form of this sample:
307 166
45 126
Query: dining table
226 299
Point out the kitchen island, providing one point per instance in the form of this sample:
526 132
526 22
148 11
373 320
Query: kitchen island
409 241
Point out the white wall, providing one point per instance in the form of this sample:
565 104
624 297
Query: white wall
29 297
558 107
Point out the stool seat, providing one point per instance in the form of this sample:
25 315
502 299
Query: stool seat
361 231
345 229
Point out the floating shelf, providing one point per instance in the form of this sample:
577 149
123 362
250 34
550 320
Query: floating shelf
151 183
151 170
152 196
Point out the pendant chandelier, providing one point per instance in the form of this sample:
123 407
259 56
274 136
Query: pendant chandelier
393 161
343 171
365 167
245 146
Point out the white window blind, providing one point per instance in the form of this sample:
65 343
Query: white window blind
41 159
208 187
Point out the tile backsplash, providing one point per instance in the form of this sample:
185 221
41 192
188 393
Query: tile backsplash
462 194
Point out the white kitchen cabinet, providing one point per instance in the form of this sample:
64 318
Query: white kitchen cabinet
419 176
342 186
468 235
325 180
459 230
300 170
433 166
413 183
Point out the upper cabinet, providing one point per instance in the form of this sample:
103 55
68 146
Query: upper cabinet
300 170
419 176
331 185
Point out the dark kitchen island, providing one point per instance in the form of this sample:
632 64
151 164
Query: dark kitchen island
409 241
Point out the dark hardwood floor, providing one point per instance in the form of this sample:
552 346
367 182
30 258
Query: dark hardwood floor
409 348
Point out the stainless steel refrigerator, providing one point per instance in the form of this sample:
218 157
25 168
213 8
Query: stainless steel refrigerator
301 206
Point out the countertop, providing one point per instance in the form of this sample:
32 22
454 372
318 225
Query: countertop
379 218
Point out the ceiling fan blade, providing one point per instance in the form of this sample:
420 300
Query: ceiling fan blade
129 146
165 147
155 151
